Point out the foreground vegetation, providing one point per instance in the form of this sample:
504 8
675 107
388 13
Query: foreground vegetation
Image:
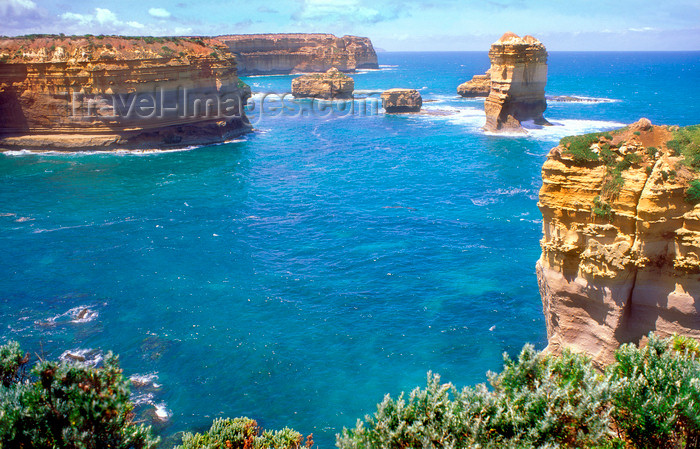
648 398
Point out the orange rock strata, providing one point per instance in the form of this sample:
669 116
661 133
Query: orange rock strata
518 76
63 93
616 265
260 54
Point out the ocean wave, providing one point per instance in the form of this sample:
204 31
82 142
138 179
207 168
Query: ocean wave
80 314
579 99
159 411
117 152
145 380
84 357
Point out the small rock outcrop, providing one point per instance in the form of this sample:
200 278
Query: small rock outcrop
478 86
401 100
264 54
621 244
329 86
518 77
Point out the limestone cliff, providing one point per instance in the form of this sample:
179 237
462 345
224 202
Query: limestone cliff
260 54
621 245
518 77
105 93
330 85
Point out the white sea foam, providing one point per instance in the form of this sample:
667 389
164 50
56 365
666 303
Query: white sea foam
85 357
145 380
160 409
80 314
579 99
118 152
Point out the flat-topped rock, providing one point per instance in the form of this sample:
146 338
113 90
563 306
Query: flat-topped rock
401 101
478 86
330 85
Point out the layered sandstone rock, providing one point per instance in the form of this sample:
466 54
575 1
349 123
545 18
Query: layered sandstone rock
401 100
260 54
330 85
617 265
518 78
103 93
478 86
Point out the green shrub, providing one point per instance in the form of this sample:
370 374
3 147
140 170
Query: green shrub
686 142
652 152
656 395
242 433
12 364
648 398
637 133
579 147
69 406
692 194
601 208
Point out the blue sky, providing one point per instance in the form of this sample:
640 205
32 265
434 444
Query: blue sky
391 24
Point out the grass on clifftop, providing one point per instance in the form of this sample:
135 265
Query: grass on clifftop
686 142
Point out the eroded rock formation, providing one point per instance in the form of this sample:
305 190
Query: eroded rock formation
330 85
102 93
518 77
478 86
401 100
260 54
621 245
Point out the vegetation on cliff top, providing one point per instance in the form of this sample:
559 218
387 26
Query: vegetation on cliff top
648 398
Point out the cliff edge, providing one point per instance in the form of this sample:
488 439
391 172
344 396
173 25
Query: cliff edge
108 92
621 244
264 54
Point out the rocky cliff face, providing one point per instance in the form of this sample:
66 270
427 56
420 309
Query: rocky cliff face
260 54
330 85
518 77
621 245
112 92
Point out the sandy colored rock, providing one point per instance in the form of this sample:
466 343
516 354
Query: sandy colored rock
608 280
261 54
401 100
518 78
478 86
89 93
330 85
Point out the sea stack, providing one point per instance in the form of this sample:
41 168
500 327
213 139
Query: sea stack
518 76
621 244
401 101
107 93
328 86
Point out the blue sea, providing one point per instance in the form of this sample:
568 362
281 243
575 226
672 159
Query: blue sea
300 273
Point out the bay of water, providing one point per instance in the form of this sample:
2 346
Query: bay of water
298 274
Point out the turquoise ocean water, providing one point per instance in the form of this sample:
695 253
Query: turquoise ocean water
298 274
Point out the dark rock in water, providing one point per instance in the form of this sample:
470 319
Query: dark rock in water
82 314
74 357
401 100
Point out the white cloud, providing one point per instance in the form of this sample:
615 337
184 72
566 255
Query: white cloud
16 7
82 19
161 13
104 16
183 30
339 10
136 25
